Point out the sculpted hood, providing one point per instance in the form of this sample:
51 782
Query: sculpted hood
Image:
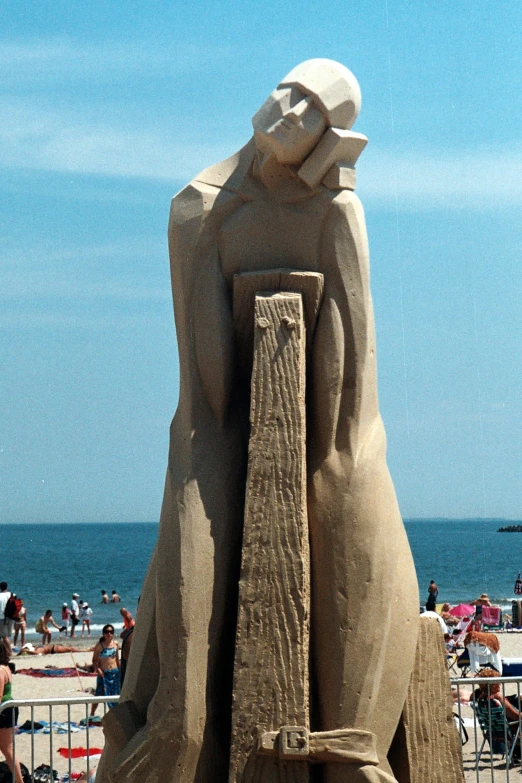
334 87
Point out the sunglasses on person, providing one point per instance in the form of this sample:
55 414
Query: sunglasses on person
109 631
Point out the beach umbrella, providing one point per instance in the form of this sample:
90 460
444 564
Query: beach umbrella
462 610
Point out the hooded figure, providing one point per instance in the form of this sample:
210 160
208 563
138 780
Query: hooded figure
285 200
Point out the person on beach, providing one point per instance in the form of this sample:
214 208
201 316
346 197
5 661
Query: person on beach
85 617
115 599
9 717
87 777
126 637
126 642
475 624
450 644
20 624
5 623
42 626
492 693
482 600
105 597
433 591
448 618
75 613
106 662
128 620
66 618
50 649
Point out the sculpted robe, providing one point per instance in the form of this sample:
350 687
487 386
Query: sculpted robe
365 601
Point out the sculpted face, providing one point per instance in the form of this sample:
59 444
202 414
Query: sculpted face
288 125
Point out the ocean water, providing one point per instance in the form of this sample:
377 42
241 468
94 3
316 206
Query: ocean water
45 564
466 557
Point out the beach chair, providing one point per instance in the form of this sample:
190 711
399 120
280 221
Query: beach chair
492 618
501 736
451 662
463 663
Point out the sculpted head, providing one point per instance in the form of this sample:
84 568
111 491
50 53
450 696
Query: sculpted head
314 96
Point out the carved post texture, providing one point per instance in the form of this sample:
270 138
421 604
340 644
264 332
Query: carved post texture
271 678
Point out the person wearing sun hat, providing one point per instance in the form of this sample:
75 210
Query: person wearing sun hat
482 600
66 618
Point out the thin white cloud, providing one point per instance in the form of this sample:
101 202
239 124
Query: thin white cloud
46 139
60 319
36 62
481 179
77 273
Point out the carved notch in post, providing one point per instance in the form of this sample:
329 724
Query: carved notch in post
271 677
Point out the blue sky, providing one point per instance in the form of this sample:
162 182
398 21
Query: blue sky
109 108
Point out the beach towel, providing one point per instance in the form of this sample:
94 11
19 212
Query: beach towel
79 753
93 720
68 672
489 640
491 615
108 685
43 727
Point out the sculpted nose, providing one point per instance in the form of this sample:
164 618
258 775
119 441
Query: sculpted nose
296 112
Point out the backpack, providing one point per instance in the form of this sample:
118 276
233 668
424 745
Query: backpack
12 608
6 776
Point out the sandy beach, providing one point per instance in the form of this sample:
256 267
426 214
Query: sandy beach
510 647
28 687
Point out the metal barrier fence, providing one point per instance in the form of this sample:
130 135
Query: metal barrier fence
488 753
59 720
491 737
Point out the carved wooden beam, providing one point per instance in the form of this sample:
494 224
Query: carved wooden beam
271 676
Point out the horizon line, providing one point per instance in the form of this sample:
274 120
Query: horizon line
156 522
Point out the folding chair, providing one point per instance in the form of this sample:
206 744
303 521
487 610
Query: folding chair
463 662
496 729
451 662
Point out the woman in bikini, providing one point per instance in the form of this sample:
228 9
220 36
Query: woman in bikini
9 716
106 662
42 626
50 649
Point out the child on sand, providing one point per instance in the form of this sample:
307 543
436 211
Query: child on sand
85 617
66 618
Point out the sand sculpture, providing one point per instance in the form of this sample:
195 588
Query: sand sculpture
278 622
